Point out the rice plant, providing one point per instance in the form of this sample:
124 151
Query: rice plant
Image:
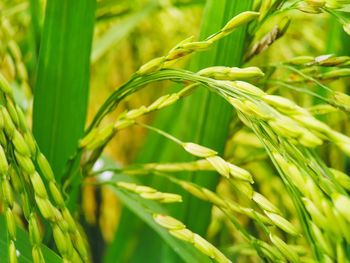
224 137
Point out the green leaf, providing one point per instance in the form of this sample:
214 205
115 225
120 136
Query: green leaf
36 16
61 91
23 246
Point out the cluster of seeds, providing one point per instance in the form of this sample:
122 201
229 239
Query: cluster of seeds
326 6
174 226
283 120
339 66
326 203
187 46
324 199
179 230
150 193
286 118
323 61
99 136
19 156
239 177
278 122
12 63
318 6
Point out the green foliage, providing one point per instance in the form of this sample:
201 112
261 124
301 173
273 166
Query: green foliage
62 84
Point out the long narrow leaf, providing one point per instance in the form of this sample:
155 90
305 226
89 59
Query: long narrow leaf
61 92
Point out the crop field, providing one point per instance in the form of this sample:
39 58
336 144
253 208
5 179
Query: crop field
170 131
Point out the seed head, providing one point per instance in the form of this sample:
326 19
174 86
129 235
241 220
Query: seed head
3 162
30 142
240 19
38 185
342 98
301 60
132 114
122 124
337 73
20 144
69 219
324 243
12 111
102 136
11 224
341 257
239 173
155 105
127 186
306 8
264 203
169 100
270 251
309 139
34 231
312 123
214 198
280 102
282 223
203 245
247 87
139 189
342 204
88 138
12 252
244 187
7 192
286 127
60 240
45 207
316 214
5 86
226 73
37 254
8 124
25 163
56 194
152 196
168 222
193 189
220 165
198 150
346 28
197 46
183 234
342 178
257 110
170 198
45 167
151 66
284 248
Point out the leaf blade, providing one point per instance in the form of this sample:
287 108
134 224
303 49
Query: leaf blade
61 91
